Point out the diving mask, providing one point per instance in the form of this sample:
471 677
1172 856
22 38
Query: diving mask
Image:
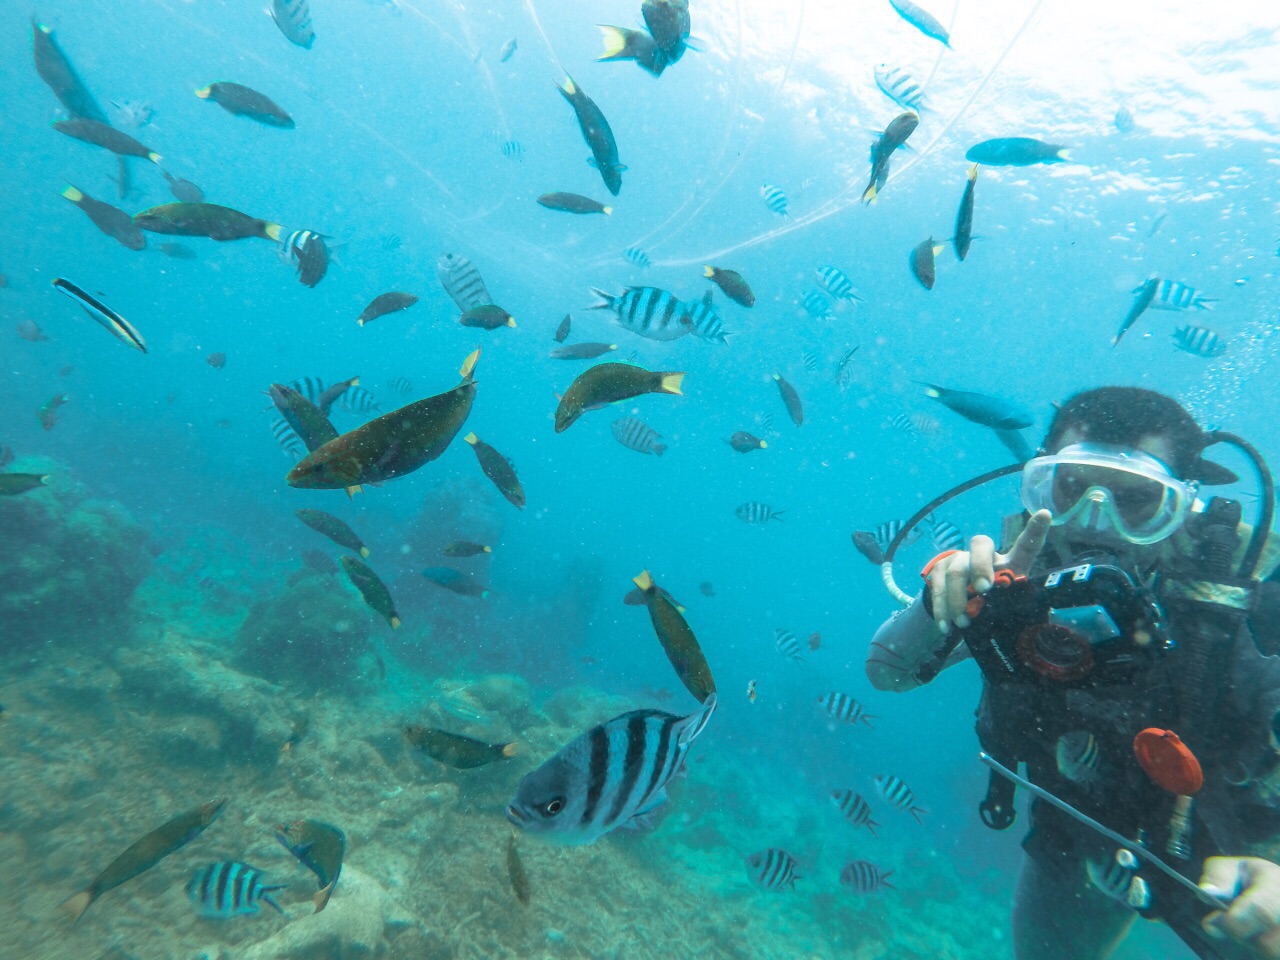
1102 489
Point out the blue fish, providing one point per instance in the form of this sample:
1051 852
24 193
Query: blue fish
229 889
1015 152
922 20
1145 294
1200 341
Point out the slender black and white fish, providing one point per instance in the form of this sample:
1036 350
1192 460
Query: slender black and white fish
1200 341
865 877
1077 756
855 808
614 775
945 535
755 512
513 150
773 869
899 86
898 794
844 368
837 283
841 706
1176 295
461 281
774 199
816 305
401 385
229 889
635 434
707 324
121 328
788 644
290 443
637 256
885 532
651 312
293 17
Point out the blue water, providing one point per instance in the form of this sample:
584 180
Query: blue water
402 109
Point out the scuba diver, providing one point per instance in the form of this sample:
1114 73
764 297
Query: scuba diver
1126 640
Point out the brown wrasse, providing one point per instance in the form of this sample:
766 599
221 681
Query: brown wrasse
582 351
375 593
745 442
455 750
677 639
609 383
216 360
12 484
790 399
312 427
487 316
333 393
573 203
336 530
393 445
465 548
56 70
562 331
498 469
48 414
244 101
146 853
320 847
109 138
894 136
921 261
635 597
733 284
516 872
112 221
385 303
963 236
205 220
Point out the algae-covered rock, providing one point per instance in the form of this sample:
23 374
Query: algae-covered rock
311 636
70 564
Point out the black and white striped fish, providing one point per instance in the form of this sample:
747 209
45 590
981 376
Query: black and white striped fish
844 368
841 706
898 794
899 86
306 251
354 399
837 283
855 809
816 305
1176 295
512 150
613 775
1115 878
865 877
651 312
293 17
755 512
945 535
764 421
707 324
635 434
402 386
461 281
773 869
774 199
228 889
1200 341
119 327
809 359
788 644
1077 756
637 256
291 444
885 532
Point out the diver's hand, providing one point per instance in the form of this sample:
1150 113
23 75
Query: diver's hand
1253 887
951 577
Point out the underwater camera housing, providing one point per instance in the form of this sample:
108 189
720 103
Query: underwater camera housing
1079 626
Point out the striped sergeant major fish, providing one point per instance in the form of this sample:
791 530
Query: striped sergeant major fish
229 889
788 644
816 305
293 17
1119 879
513 150
844 368
634 434
1200 341
352 399
755 512
915 423
614 775
1077 756
773 869
291 444
461 281
119 327
885 533
899 87
1176 295
841 706
402 386
855 809
775 199
651 312
898 794
306 251
809 360
837 283
945 535
637 256
707 324
865 877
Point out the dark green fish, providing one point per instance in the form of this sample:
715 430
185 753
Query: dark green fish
635 597
609 383
395 444
733 284
146 853
894 136
922 263
205 220
12 484
677 640
455 750
312 427
372 589
498 469
465 548
963 236
112 221
487 316
320 848
1015 152
623 43
582 351
668 23
330 396
573 203
246 102
562 331
336 530
109 138
596 131
790 399
56 70
386 303
515 872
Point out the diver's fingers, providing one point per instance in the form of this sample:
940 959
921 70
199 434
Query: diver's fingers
957 577
938 595
982 563
1029 543
1254 915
